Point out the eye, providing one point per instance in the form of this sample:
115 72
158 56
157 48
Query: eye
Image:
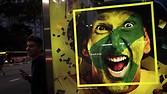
128 24
101 29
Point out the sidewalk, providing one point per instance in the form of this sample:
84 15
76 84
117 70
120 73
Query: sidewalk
12 82
20 63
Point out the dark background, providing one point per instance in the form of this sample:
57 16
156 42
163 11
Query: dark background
18 19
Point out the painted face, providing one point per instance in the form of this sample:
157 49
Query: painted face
116 47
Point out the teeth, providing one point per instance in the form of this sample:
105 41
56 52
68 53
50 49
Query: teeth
119 73
117 59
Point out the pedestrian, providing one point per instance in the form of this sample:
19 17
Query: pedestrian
1 65
38 70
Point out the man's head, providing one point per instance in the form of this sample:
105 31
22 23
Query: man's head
116 46
34 46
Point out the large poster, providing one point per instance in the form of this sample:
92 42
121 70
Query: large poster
107 47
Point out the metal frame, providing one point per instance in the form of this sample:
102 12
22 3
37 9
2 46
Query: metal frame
47 46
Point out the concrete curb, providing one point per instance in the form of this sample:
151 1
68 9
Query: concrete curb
6 65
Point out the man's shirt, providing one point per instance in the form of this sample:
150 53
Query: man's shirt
38 76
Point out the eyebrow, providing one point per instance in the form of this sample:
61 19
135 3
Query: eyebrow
133 15
102 17
107 26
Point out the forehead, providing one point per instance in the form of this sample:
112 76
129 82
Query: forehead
115 13
31 43
115 17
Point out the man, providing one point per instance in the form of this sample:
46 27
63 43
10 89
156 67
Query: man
38 75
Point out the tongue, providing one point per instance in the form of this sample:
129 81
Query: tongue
118 66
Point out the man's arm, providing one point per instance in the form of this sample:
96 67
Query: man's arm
25 76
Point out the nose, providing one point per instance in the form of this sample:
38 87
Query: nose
115 39
117 42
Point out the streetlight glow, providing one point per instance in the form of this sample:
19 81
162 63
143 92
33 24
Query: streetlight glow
55 1
45 1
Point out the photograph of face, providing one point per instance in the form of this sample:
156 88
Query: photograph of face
115 44
112 49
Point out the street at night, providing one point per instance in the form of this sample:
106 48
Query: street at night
12 83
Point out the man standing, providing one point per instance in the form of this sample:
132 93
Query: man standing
38 70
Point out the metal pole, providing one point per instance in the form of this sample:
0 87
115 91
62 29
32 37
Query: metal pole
47 46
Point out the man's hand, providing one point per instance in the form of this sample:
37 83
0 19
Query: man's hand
25 75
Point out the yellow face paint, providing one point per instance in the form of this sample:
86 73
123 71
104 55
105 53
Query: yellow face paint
137 48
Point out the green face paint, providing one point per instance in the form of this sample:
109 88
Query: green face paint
116 46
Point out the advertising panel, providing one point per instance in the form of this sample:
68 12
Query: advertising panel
108 47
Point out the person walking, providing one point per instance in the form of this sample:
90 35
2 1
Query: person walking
38 70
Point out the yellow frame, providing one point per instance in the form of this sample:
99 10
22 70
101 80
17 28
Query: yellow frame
107 7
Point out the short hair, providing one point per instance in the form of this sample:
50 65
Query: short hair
35 39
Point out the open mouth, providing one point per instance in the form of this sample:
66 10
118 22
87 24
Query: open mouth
117 65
